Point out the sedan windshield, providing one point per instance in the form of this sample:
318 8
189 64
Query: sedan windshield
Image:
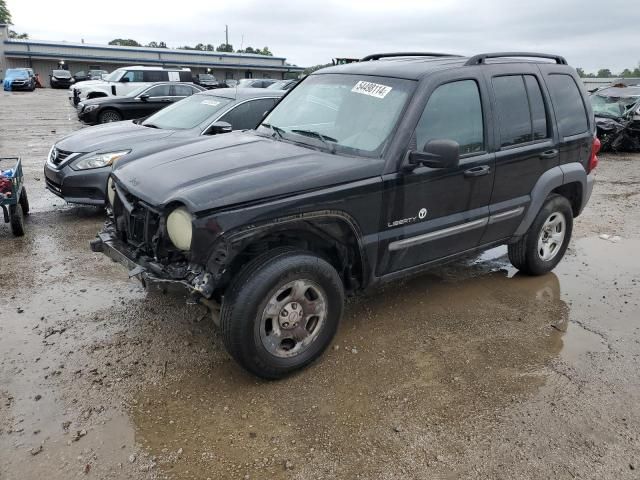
61 73
612 106
352 114
137 91
187 113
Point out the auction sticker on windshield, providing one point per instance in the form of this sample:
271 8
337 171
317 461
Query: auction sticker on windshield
371 89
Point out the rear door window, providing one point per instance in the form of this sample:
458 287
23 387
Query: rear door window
513 110
183 90
155 76
571 114
522 116
453 112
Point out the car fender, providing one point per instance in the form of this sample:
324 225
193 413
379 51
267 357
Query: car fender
549 181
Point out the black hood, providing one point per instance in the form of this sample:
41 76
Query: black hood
235 168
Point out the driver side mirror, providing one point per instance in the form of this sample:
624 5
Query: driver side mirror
219 127
124 80
144 97
437 154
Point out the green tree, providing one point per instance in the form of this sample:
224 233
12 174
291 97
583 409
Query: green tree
626 73
14 34
265 51
125 42
312 69
604 73
224 47
5 15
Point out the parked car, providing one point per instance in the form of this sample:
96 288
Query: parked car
78 166
617 112
60 79
83 75
255 82
207 81
19 79
124 80
139 103
362 174
284 84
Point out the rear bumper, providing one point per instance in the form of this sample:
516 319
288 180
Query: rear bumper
586 195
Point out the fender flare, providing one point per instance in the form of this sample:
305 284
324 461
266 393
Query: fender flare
228 240
549 181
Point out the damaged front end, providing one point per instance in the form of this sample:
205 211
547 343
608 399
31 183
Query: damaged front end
617 114
136 236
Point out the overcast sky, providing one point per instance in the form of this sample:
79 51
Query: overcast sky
590 34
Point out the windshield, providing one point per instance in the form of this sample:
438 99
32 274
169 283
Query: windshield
114 76
187 113
352 114
206 76
61 73
16 72
610 106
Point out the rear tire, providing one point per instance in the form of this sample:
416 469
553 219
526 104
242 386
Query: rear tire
281 312
108 116
16 218
546 241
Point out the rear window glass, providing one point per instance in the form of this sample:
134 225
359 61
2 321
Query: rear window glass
155 76
569 107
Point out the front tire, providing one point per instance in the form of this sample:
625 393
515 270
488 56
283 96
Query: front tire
281 312
108 116
546 241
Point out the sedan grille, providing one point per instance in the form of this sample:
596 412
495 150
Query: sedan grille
58 156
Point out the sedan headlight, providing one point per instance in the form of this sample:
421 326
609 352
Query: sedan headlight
99 160
179 228
88 108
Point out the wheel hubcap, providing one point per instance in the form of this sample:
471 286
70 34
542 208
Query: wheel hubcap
552 236
293 318
110 117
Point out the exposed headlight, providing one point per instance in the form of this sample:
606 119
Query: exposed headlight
88 108
111 193
99 160
179 228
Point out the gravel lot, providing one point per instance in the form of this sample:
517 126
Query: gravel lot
470 371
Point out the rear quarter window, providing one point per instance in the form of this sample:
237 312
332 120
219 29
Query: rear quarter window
571 114
155 76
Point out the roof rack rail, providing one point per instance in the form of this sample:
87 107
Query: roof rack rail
378 56
480 58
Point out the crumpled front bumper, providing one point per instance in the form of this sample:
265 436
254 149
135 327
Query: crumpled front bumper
143 268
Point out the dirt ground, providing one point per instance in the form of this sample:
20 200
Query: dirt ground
471 371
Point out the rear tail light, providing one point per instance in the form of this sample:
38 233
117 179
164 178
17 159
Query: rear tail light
593 159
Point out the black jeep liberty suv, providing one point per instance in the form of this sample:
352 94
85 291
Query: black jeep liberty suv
361 174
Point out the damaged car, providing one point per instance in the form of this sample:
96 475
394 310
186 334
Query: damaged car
617 112
362 174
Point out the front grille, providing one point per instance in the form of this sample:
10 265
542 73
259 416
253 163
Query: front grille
59 156
136 223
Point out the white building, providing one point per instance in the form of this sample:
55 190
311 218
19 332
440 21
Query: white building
44 56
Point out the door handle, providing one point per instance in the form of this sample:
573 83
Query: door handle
553 153
477 171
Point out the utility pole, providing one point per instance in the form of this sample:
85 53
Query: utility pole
226 34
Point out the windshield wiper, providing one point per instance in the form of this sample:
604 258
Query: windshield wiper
277 130
323 138
150 125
